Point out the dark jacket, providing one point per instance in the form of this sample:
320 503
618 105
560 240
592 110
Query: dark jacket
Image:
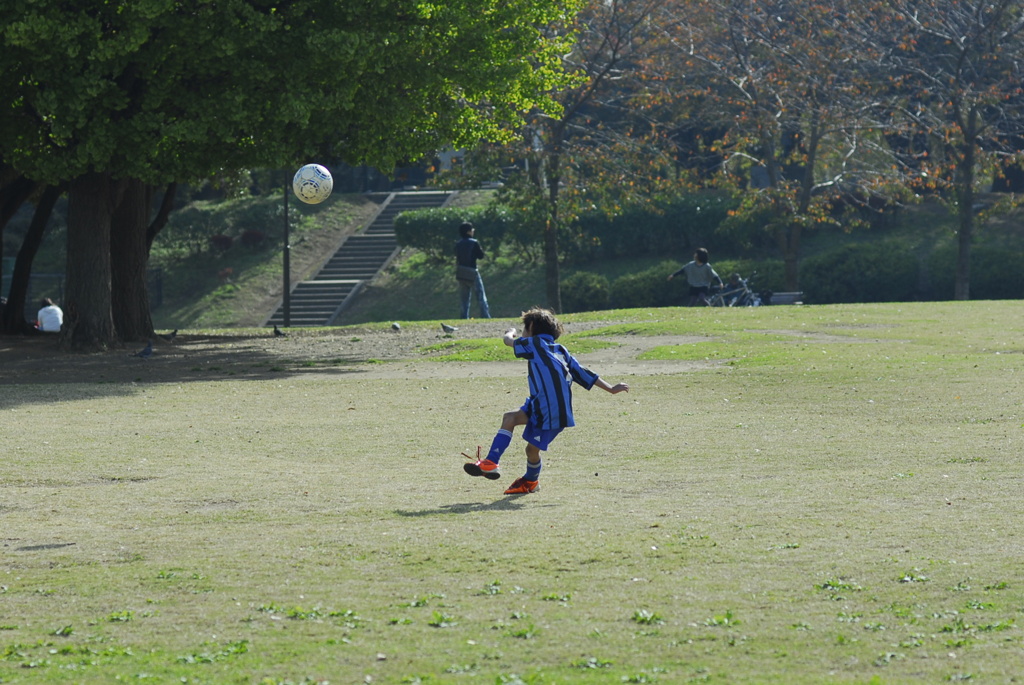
467 251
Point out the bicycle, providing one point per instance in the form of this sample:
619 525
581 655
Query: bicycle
742 296
718 296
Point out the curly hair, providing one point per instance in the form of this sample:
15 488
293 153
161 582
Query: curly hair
542 322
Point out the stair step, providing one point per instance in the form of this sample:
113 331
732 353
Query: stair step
360 258
337 268
373 242
368 248
351 264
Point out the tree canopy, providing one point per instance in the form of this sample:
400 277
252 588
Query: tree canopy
164 90
801 108
158 91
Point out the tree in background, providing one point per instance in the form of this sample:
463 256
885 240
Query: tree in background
594 150
953 82
115 99
786 83
13 320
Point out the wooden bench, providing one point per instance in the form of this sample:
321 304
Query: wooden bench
786 298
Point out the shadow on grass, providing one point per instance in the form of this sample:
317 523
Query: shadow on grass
39 548
36 361
508 503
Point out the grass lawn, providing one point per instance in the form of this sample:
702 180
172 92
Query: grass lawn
787 495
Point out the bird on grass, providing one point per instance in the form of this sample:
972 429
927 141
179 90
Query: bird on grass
147 351
171 336
396 326
448 329
278 333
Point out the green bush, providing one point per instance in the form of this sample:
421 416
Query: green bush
675 226
885 271
435 231
649 288
940 275
765 274
678 225
585 292
746 231
995 273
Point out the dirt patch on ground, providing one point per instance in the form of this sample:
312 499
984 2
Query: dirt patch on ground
368 352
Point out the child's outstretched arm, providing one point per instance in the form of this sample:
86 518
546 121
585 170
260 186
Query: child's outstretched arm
613 389
510 336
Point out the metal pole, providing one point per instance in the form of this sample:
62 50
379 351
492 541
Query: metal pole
287 261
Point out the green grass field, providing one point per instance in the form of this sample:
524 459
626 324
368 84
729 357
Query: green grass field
787 495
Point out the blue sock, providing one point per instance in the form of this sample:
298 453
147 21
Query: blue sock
499 445
533 470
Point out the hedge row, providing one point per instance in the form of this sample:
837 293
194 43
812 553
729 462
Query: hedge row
435 231
883 271
891 271
877 271
585 291
676 226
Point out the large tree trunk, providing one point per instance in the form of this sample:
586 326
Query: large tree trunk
962 289
160 221
14 313
12 196
788 239
965 231
551 276
795 231
129 251
88 322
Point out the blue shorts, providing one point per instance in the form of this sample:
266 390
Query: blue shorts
541 438
537 436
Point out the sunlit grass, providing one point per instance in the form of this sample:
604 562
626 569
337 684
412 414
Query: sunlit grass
831 498
494 349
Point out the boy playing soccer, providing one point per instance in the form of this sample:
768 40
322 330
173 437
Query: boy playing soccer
548 409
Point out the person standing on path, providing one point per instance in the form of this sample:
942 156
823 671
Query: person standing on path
467 251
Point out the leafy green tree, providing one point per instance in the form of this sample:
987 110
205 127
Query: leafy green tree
593 151
114 97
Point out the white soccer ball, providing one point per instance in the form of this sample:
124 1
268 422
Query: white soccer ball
312 184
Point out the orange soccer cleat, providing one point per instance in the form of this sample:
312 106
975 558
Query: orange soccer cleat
521 486
482 467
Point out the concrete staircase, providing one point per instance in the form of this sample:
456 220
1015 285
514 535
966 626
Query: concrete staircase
319 301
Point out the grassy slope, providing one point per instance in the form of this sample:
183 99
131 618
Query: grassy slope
196 295
414 289
836 502
417 290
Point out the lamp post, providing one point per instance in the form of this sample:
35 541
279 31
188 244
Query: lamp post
287 304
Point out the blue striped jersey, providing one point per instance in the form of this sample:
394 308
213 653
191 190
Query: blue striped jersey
551 373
